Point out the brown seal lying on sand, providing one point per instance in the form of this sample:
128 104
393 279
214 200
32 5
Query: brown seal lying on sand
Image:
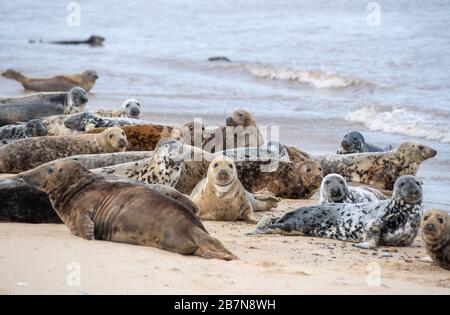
60 83
29 153
221 196
436 236
145 137
94 208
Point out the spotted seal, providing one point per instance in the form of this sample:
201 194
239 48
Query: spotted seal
22 109
435 228
94 208
392 222
86 121
273 150
60 83
380 169
33 128
334 189
221 196
29 153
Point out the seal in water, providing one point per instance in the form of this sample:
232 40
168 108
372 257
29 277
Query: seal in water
393 222
94 208
60 83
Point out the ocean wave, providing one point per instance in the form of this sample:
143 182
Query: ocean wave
316 79
428 125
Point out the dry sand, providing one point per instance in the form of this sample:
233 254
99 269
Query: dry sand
43 259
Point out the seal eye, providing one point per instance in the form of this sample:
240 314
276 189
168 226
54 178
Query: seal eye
128 105
111 136
425 218
402 184
327 182
215 165
123 133
230 165
440 221
50 170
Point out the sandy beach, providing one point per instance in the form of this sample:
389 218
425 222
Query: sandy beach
44 259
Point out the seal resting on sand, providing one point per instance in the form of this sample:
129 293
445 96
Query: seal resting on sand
221 196
25 154
22 109
380 169
393 222
435 228
145 137
334 189
33 128
94 208
60 83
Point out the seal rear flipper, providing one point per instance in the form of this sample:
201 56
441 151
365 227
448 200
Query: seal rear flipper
209 247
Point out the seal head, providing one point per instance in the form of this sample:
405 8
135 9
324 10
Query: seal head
240 117
76 101
35 128
115 139
334 188
408 190
131 108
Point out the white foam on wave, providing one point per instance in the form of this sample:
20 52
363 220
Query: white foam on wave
431 126
317 79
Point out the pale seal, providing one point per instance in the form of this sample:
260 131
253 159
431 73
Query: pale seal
22 109
221 196
393 222
94 208
435 228
273 150
29 153
60 83
131 108
33 128
334 189
380 169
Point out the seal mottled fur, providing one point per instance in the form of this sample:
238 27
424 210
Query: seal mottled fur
334 189
29 153
33 128
393 222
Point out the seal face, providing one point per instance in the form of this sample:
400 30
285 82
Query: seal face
76 101
334 189
94 208
393 222
33 128
221 196
435 228
131 108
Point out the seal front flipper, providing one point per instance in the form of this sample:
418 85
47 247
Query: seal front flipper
262 201
85 227
372 238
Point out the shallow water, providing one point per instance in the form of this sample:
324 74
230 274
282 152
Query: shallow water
315 68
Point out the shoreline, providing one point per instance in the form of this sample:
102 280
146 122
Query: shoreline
268 264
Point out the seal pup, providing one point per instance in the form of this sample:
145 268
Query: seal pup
334 189
33 128
14 110
380 169
145 137
94 208
435 228
25 154
221 196
131 108
60 83
392 222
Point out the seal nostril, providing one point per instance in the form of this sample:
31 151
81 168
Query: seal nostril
430 227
